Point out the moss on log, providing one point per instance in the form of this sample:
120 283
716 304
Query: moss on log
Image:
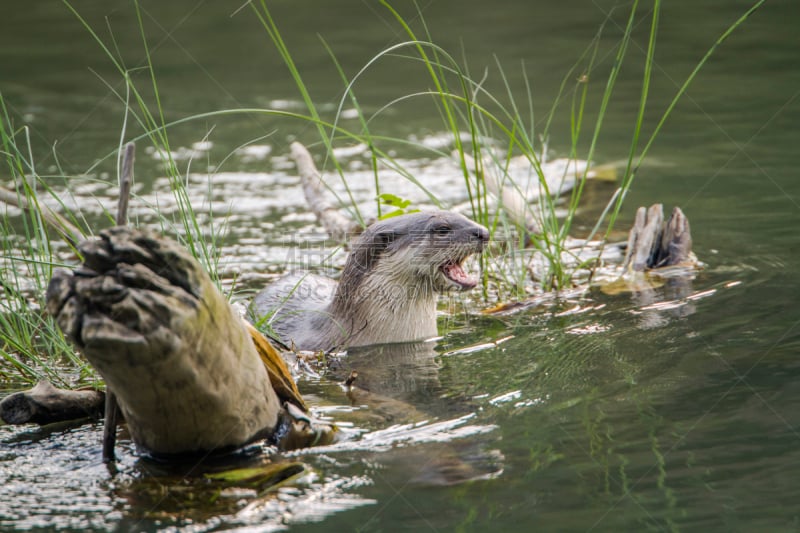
186 372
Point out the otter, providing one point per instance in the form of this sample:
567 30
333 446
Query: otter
388 288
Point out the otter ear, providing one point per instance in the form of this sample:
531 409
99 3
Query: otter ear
369 249
383 239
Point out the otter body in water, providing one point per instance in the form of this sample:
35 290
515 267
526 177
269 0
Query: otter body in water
388 288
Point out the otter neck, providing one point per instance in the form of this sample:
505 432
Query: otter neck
378 310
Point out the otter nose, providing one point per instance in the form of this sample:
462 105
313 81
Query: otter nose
481 234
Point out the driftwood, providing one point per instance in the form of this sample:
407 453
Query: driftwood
45 404
190 376
339 227
655 244
72 234
183 365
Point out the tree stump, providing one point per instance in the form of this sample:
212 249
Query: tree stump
186 372
655 244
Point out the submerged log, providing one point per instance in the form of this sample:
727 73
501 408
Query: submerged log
45 404
187 375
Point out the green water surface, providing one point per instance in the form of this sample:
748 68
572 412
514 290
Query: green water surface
663 411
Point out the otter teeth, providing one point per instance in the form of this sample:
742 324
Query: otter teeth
453 271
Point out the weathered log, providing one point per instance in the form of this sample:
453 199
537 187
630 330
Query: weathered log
653 243
63 226
187 375
676 241
45 404
339 227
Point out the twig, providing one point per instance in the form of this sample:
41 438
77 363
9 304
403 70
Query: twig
111 408
351 379
125 183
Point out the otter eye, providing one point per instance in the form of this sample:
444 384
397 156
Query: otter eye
444 229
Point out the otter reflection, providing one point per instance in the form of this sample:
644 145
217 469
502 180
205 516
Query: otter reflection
398 384
406 371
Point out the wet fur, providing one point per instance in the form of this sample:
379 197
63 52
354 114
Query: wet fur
387 291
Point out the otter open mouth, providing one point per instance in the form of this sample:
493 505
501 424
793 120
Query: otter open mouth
453 271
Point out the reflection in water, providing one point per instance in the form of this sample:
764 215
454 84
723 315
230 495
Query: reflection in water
391 423
403 371
50 473
617 427
656 305
399 384
271 493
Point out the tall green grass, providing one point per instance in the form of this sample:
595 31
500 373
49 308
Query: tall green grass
487 130
32 346
497 129
150 117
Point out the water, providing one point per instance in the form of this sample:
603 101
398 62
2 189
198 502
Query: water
675 410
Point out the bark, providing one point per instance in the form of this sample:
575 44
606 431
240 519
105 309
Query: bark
652 243
187 375
676 241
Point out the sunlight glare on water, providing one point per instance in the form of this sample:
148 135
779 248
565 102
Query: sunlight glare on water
671 407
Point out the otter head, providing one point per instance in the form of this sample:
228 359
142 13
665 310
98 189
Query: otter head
419 252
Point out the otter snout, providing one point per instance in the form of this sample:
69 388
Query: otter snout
480 235
472 235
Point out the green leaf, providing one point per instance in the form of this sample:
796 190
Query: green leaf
394 201
391 214
261 476
397 212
